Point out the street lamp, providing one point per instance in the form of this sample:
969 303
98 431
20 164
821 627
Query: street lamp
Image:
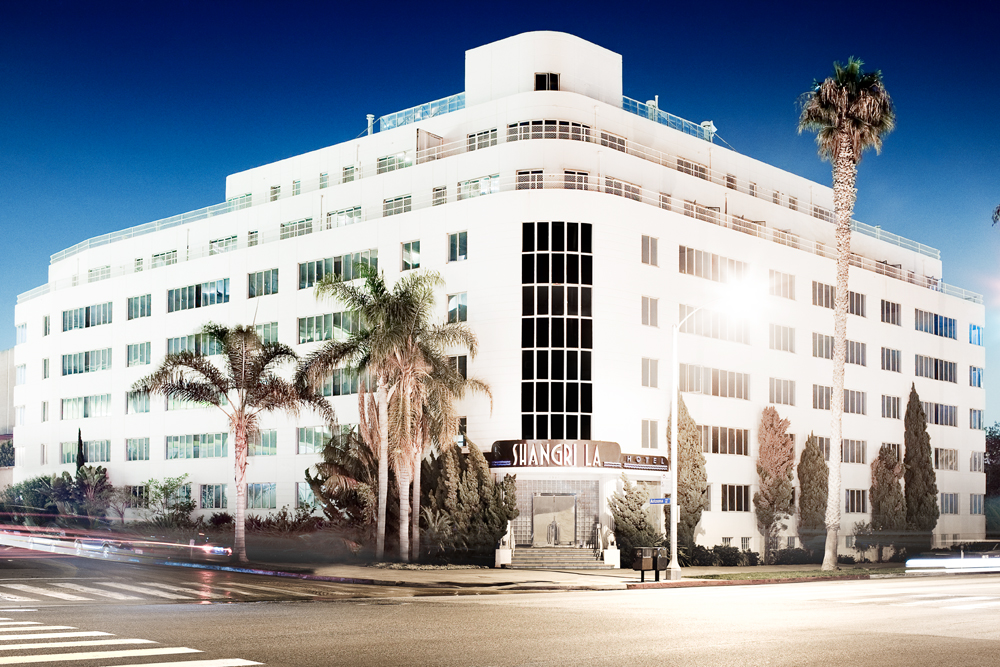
742 296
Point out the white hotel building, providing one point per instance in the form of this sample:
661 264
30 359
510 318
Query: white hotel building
573 227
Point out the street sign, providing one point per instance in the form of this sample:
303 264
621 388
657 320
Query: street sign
659 501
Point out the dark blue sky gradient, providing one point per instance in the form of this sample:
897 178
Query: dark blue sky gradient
114 114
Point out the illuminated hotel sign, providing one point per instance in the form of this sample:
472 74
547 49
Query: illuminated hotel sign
569 454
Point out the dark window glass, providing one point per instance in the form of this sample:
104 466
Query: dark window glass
557 332
557 396
541 332
527 396
543 235
542 397
528 237
586 334
557 427
586 269
558 236
558 302
527 365
585 245
527 301
585 305
542 427
572 397
527 427
543 300
527 269
572 332
542 268
573 237
571 427
585 365
542 364
572 300
586 397
558 370
571 366
527 332
558 267
573 269
541 82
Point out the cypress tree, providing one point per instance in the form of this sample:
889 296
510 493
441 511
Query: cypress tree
920 483
81 454
887 500
814 485
775 459
692 480
632 527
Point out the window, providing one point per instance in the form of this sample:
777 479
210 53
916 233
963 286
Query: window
198 296
976 419
296 188
460 364
85 407
458 247
45 325
304 495
936 369
262 283
331 326
136 402
824 446
261 496
857 501
822 346
782 284
480 140
891 313
253 239
296 228
857 353
139 354
649 429
576 179
938 325
977 462
857 304
621 188
164 259
439 195
18 415
21 372
977 503
853 451
396 205
275 192
213 496
348 174
782 392
650 368
892 360
202 344
890 407
137 449
710 266
219 246
267 332
393 162
776 198
458 307
265 443
649 305
949 503
411 255
22 330
894 449
462 436
855 402
197 446
793 203
100 273
976 334
546 81
529 179
69 450
45 415
943 415
324 180
724 440
735 497
311 273
692 168
714 382
81 318
140 306
548 129
823 295
712 324
138 265
821 397
97 451
649 250
731 181
343 381
138 496
975 376
781 338
945 459
45 368
476 187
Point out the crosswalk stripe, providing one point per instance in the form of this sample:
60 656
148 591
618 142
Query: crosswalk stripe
96 591
944 600
94 655
25 588
144 591
54 635
268 588
88 642
221 662
15 598
978 605
20 623
38 627
191 591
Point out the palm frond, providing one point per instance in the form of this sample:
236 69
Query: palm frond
996 215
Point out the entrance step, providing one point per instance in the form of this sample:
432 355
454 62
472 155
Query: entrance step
556 558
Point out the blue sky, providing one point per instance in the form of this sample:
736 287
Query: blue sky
117 113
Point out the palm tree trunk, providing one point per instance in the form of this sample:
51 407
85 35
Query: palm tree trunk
418 457
240 542
381 396
844 176
403 480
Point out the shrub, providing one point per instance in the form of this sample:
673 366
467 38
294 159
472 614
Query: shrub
220 519
843 559
796 556
749 558
726 556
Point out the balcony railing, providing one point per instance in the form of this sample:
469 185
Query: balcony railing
422 111
663 118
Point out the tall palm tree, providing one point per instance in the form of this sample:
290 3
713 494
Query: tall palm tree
996 215
244 387
850 112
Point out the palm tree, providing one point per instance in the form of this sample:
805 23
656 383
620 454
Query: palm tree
242 389
996 215
850 112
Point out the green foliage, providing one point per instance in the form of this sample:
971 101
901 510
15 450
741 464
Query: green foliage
796 557
993 517
29 502
6 453
920 483
631 523
887 501
814 480
775 459
220 519
864 538
719 556
168 505
284 522
993 461
81 453
692 480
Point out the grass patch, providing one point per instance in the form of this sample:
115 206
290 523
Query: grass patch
803 574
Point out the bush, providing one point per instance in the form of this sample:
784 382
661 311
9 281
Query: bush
726 556
221 520
796 556
700 556
749 558
285 522
843 559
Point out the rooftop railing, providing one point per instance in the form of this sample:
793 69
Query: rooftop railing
422 111
663 118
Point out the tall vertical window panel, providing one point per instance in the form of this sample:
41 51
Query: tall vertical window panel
724 440
781 338
84 318
264 443
714 382
213 496
197 446
975 376
940 414
458 307
140 306
342 266
136 402
781 284
343 217
137 449
890 407
976 335
458 247
262 283
938 325
330 326
262 496
710 266
892 313
312 439
650 428
892 360
781 391
935 369
85 362
85 407
198 296
714 324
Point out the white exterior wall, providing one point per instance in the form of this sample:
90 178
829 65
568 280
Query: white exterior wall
498 95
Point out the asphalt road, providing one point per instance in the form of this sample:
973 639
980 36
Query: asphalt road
952 620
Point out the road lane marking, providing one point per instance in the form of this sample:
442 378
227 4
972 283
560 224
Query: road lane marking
55 635
20 623
16 598
269 588
94 655
89 642
941 599
144 591
39 627
97 591
189 591
979 605
25 588
221 662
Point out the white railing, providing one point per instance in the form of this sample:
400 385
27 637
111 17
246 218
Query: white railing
422 111
663 118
